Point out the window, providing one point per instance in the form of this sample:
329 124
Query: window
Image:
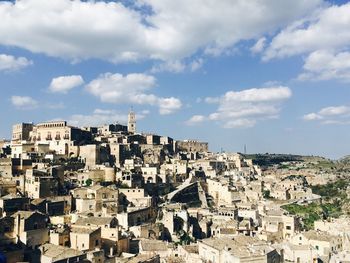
317 247
58 136
96 243
48 137
288 227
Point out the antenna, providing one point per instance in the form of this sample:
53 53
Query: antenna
245 149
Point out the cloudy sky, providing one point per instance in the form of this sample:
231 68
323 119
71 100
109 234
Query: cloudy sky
271 74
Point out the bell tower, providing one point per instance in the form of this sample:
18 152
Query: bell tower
131 122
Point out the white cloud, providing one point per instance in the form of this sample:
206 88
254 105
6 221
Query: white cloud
240 123
312 116
169 66
63 84
330 115
100 117
11 63
331 111
24 102
326 65
131 89
245 108
195 119
172 31
259 45
327 29
178 66
196 64
336 122
169 105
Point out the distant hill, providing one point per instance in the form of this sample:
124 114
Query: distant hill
268 159
345 160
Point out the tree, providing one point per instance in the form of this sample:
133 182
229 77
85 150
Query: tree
88 182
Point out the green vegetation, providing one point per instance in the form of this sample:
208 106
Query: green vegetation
185 239
272 159
334 198
323 165
88 182
332 190
296 177
266 194
313 212
120 184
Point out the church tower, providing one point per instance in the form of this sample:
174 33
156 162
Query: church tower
131 122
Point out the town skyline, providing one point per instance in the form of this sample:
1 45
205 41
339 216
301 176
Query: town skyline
187 131
277 83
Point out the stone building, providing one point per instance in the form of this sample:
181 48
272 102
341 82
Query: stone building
192 146
51 253
21 131
109 129
39 184
85 238
30 228
238 249
59 136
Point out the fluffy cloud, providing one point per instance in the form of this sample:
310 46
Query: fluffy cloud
240 123
312 116
11 63
325 65
178 66
131 89
168 105
328 29
244 108
65 83
259 45
24 102
324 36
196 119
330 115
169 66
173 30
101 117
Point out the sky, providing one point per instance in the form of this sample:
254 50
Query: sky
272 75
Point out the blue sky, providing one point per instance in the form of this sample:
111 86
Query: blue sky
276 80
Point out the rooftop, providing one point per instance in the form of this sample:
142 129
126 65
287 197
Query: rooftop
59 252
240 246
94 221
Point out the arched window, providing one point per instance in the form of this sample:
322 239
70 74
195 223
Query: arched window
48 137
66 135
58 136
